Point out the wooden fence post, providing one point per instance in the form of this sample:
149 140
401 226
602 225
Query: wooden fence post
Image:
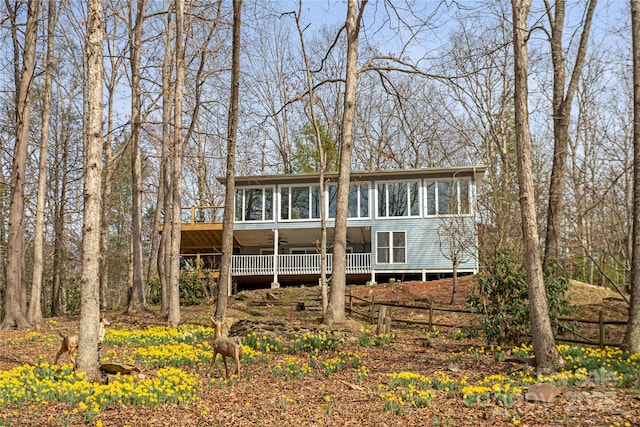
373 309
430 315
382 314
387 325
601 324
350 301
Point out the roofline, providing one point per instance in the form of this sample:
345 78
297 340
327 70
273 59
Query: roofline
477 171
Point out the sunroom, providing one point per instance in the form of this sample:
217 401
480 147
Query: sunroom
392 226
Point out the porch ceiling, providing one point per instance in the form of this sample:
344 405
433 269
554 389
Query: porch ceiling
207 237
201 237
298 237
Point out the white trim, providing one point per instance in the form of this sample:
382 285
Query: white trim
391 247
418 182
263 197
289 207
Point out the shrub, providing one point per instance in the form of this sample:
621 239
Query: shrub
503 300
195 286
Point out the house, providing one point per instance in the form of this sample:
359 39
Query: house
401 224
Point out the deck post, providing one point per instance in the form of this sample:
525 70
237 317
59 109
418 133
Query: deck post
276 238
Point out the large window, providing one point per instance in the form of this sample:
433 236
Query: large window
391 247
358 205
449 197
299 202
398 199
254 204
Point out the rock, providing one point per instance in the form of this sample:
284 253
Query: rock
543 392
454 367
275 327
118 368
272 296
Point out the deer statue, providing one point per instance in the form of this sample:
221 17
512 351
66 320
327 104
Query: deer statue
225 346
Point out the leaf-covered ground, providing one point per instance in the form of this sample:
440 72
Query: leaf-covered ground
417 378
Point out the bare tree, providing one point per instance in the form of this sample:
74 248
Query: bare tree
90 285
457 242
173 280
321 160
34 315
632 338
111 157
60 176
562 103
335 313
546 353
164 198
482 117
272 85
230 175
14 303
137 296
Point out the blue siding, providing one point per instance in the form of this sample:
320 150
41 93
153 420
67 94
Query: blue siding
423 248
423 252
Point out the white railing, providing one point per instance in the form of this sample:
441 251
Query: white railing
252 265
262 265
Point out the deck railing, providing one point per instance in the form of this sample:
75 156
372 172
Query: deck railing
262 265
196 214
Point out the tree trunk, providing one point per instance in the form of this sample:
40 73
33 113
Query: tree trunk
335 311
15 310
90 285
59 173
323 167
137 300
230 191
166 195
176 173
110 163
548 358
562 103
454 289
632 338
34 315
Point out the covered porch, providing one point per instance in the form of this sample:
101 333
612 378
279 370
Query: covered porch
269 254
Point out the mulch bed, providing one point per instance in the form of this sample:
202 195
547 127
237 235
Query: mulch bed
261 398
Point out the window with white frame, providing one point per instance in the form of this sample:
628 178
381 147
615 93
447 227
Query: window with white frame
300 202
358 201
398 199
254 204
449 197
391 247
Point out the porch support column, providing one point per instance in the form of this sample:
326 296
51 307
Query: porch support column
276 241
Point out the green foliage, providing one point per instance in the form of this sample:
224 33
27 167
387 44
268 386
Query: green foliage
609 266
73 295
503 300
314 343
265 344
305 157
155 291
383 339
193 287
